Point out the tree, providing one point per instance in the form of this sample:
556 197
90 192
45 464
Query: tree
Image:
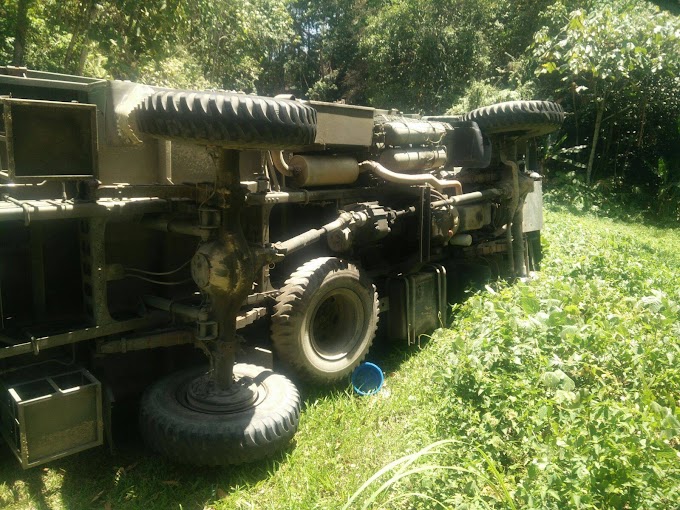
233 39
420 54
321 60
616 54
21 29
7 24
135 36
80 36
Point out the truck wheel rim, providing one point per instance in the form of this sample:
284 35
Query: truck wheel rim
202 394
336 324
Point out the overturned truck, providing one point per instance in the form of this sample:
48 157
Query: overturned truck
138 223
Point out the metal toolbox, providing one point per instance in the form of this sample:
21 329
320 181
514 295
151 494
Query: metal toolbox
51 417
343 125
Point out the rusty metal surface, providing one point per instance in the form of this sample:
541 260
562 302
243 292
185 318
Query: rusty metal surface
224 267
161 339
78 335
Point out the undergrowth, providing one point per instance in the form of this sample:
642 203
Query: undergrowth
612 198
561 392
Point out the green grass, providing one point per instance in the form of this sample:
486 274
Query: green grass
561 392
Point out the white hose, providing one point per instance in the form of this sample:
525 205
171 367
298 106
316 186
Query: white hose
388 175
280 164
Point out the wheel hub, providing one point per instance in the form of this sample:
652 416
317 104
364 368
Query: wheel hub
203 394
335 324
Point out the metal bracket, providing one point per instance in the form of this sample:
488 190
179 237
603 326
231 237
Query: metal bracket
440 271
209 218
206 331
35 345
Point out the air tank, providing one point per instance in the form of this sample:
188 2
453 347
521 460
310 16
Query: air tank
310 171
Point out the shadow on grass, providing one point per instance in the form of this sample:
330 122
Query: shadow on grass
611 199
132 478
135 478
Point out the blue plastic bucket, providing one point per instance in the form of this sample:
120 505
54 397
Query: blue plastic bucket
367 379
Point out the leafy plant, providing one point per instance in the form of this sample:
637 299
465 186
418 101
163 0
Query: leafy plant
621 58
482 93
565 386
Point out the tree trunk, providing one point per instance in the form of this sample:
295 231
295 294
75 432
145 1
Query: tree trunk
642 123
596 137
75 35
573 100
84 48
19 58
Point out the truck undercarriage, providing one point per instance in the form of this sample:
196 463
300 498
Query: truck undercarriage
137 223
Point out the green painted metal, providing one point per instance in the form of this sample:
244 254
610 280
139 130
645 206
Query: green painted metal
66 134
132 242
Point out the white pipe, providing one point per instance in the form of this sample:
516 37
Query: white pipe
280 164
388 175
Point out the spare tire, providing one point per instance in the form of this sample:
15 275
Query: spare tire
228 120
175 427
519 118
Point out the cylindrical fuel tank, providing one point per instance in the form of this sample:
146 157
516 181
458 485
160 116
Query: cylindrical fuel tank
309 171
412 132
407 160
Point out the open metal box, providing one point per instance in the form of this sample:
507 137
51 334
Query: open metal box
48 418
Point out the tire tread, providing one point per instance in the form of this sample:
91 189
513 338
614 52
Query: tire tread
227 120
208 443
529 118
289 313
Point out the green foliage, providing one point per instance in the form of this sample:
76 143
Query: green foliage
559 392
232 40
324 61
609 198
325 89
167 42
7 24
482 93
178 70
48 37
133 36
414 49
616 66
616 40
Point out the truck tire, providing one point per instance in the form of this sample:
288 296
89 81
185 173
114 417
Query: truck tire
520 118
325 319
227 120
171 426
